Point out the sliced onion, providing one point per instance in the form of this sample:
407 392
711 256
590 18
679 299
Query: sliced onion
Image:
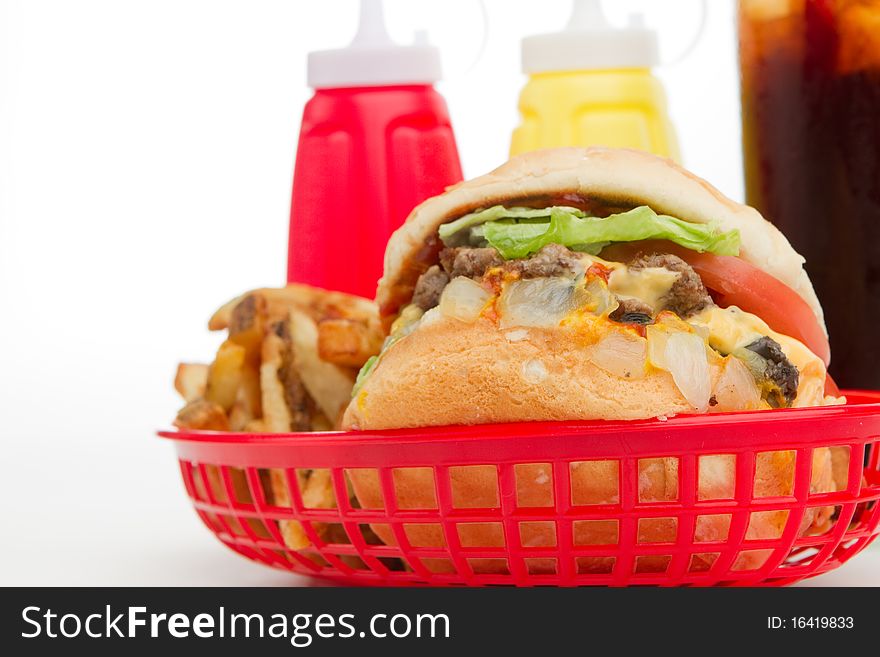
686 360
601 300
735 389
620 354
657 338
430 317
463 299
542 302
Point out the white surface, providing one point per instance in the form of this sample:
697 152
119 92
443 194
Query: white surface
146 155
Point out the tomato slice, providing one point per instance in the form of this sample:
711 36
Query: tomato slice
735 282
831 387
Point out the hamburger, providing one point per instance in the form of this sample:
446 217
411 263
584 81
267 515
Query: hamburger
593 284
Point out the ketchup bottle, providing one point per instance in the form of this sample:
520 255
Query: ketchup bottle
375 141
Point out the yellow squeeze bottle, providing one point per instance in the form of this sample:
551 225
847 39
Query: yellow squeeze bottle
591 85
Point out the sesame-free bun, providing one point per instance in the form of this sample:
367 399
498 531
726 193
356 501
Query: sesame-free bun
453 372
616 177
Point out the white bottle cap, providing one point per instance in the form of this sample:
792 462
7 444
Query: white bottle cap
589 41
373 58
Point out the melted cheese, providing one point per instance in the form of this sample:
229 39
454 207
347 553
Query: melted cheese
406 321
648 285
731 328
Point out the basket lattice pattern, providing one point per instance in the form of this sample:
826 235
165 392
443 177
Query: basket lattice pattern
517 505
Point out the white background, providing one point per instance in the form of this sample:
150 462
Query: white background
146 155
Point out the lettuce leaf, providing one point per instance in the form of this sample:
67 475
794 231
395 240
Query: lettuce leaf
513 239
500 212
363 374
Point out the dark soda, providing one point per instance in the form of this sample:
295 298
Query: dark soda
811 140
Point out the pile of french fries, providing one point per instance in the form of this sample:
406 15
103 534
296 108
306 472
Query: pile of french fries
289 363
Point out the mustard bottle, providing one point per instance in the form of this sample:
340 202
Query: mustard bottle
592 85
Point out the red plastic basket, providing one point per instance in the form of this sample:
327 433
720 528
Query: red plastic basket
509 504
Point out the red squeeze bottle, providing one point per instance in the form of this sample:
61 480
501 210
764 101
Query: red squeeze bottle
375 141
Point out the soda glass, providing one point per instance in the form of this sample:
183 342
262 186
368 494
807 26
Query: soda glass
810 89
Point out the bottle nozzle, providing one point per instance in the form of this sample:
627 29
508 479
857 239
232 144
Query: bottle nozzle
371 25
587 14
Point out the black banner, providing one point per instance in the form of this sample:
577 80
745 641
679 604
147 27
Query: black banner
329 621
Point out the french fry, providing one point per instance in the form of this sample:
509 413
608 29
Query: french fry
225 375
239 417
316 490
202 414
320 304
291 531
190 380
348 342
276 414
249 392
247 323
277 302
317 493
248 403
329 385
256 426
